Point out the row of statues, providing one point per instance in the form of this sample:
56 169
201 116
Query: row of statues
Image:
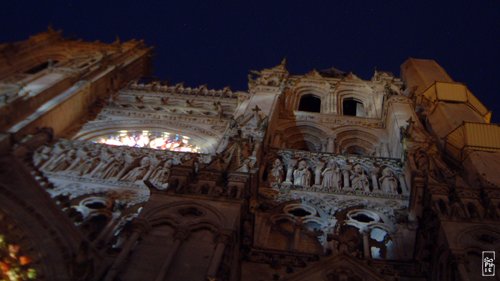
104 162
180 89
331 176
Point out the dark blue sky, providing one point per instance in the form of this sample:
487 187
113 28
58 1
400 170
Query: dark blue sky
218 42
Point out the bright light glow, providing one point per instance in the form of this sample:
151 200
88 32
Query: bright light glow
14 265
149 139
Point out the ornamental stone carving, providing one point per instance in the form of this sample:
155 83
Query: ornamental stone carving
325 172
331 176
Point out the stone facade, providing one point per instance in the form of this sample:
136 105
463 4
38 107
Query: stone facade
321 176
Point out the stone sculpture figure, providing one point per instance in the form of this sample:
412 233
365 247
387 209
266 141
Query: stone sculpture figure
388 182
116 163
359 180
219 109
63 162
140 172
89 162
276 172
159 177
105 160
331 175
301 175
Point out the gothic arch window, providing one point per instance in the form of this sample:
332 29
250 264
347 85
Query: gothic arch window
310 103
356 150
353 107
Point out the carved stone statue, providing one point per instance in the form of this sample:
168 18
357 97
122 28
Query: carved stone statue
388 182
301 175
105 160
115 165
62 162
359 180
219 109
138 173
276 172
160 175
89 162
331 175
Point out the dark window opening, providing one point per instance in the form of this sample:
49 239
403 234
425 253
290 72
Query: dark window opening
305 145
352 107
40 67
363 218
95 205
310 103
299 212
356 150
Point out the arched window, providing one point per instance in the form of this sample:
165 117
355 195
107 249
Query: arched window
310 103
352 107
356 150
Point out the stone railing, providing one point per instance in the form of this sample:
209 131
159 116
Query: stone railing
344 174
332 119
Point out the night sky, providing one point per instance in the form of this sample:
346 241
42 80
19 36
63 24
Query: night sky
218 42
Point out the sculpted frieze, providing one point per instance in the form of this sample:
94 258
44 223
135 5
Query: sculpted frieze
339 174
103 164
160 88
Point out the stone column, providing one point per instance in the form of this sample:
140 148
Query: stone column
277 140
374 173
296 235
345 172
330 145
179 236
402 182
317 172
289 171
366 242
222 241
139 226
105 234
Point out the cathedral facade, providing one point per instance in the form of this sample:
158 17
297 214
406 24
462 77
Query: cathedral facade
318 176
